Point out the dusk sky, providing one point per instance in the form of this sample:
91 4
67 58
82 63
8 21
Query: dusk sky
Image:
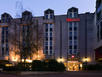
38 6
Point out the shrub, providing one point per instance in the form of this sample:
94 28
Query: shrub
11 68
23 67
93 67
38 65
53 65
50 65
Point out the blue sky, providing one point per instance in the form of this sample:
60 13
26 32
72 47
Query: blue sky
38 6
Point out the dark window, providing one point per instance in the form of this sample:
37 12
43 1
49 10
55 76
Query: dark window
50 43
70 15
46 43
75 15
75 37
75 47
51 16
46 30
70 47
70 33
70 51
70 24
75 28
75 33
70 28
2 40
70 42
70 38
50 34
46 35
46 17
2 51
46 38
50 52
46 47
75 51
98 32
46 25
51 29
50 47
6 40
51 38
46 52
101 30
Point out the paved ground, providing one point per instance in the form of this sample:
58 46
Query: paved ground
66 74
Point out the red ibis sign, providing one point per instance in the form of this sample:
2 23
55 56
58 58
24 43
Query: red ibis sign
72 19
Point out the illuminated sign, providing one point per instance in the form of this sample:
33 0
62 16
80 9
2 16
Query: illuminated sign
72 19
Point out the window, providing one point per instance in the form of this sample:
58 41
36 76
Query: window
75 37
50 43
50 51
46 52
46 43
46 16
51 25
46 30
98 32
70 28
46 35
101 29
2 51
51 29
75 15
75 51
70 38
75 33
51 16
51 34
70 14
46 48
75 28
70 33
46 25
50 47
75 24
70 42
75 42
50 38
70 24
2 40
70 47
75 47
70 51
46 38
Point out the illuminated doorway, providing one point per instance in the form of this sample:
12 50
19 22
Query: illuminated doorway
73 66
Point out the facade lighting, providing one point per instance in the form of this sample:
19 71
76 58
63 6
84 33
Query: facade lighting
61 60
86 59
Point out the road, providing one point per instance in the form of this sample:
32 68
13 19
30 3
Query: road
65 74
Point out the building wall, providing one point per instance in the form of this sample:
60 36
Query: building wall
86 36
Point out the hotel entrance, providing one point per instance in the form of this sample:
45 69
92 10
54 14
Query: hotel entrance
74 66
